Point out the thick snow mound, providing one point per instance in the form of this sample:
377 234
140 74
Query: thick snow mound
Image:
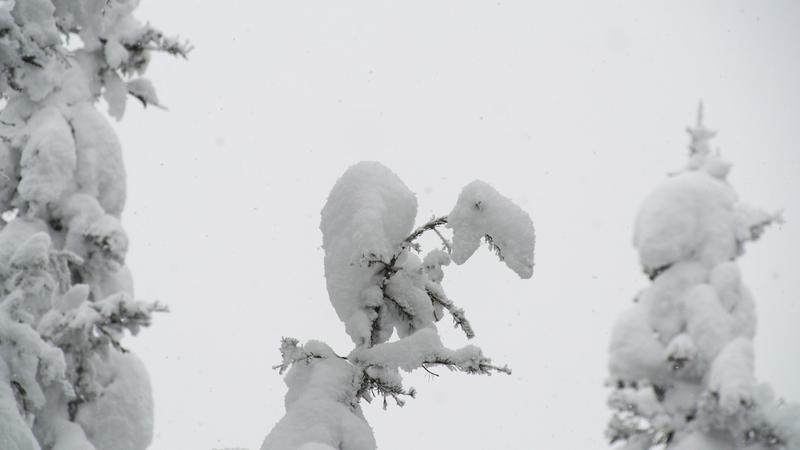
689 216
13 235
100 169
48 159
699 440
635 351
707 322
14 432
732 375
68 436
369 213
319 406
482 212
662 299
122 417
34 252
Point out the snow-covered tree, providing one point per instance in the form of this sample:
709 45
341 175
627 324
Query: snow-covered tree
681 357
380 286
66 296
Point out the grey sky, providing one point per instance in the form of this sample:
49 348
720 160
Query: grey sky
574 109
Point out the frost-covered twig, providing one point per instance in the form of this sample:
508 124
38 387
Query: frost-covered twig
459 318
481 366
291 353
494 247
151 39
445 242
370 386
390 268
429 225
93 324
403 310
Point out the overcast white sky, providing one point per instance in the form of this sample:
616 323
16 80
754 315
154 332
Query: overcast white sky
574 109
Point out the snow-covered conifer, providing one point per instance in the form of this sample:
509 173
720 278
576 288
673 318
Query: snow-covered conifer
380 286
681 357
66 296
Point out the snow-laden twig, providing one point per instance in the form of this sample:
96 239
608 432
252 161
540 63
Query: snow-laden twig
370 386
459 318
432 224
292 353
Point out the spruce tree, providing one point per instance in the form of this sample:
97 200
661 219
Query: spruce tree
66 295
681 357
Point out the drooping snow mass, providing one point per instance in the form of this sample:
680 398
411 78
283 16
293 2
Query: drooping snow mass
126 405
681 357
66 383
481 212
48 158
14 431
380 287
368 214
101 172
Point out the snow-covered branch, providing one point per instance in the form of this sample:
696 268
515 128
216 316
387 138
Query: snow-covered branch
292 353
430 225
459 318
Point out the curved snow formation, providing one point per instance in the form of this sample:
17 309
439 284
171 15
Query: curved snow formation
369 213
482 212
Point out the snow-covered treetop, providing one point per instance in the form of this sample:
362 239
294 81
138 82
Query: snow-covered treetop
380 287
696 214
700 136
681 357
369 242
